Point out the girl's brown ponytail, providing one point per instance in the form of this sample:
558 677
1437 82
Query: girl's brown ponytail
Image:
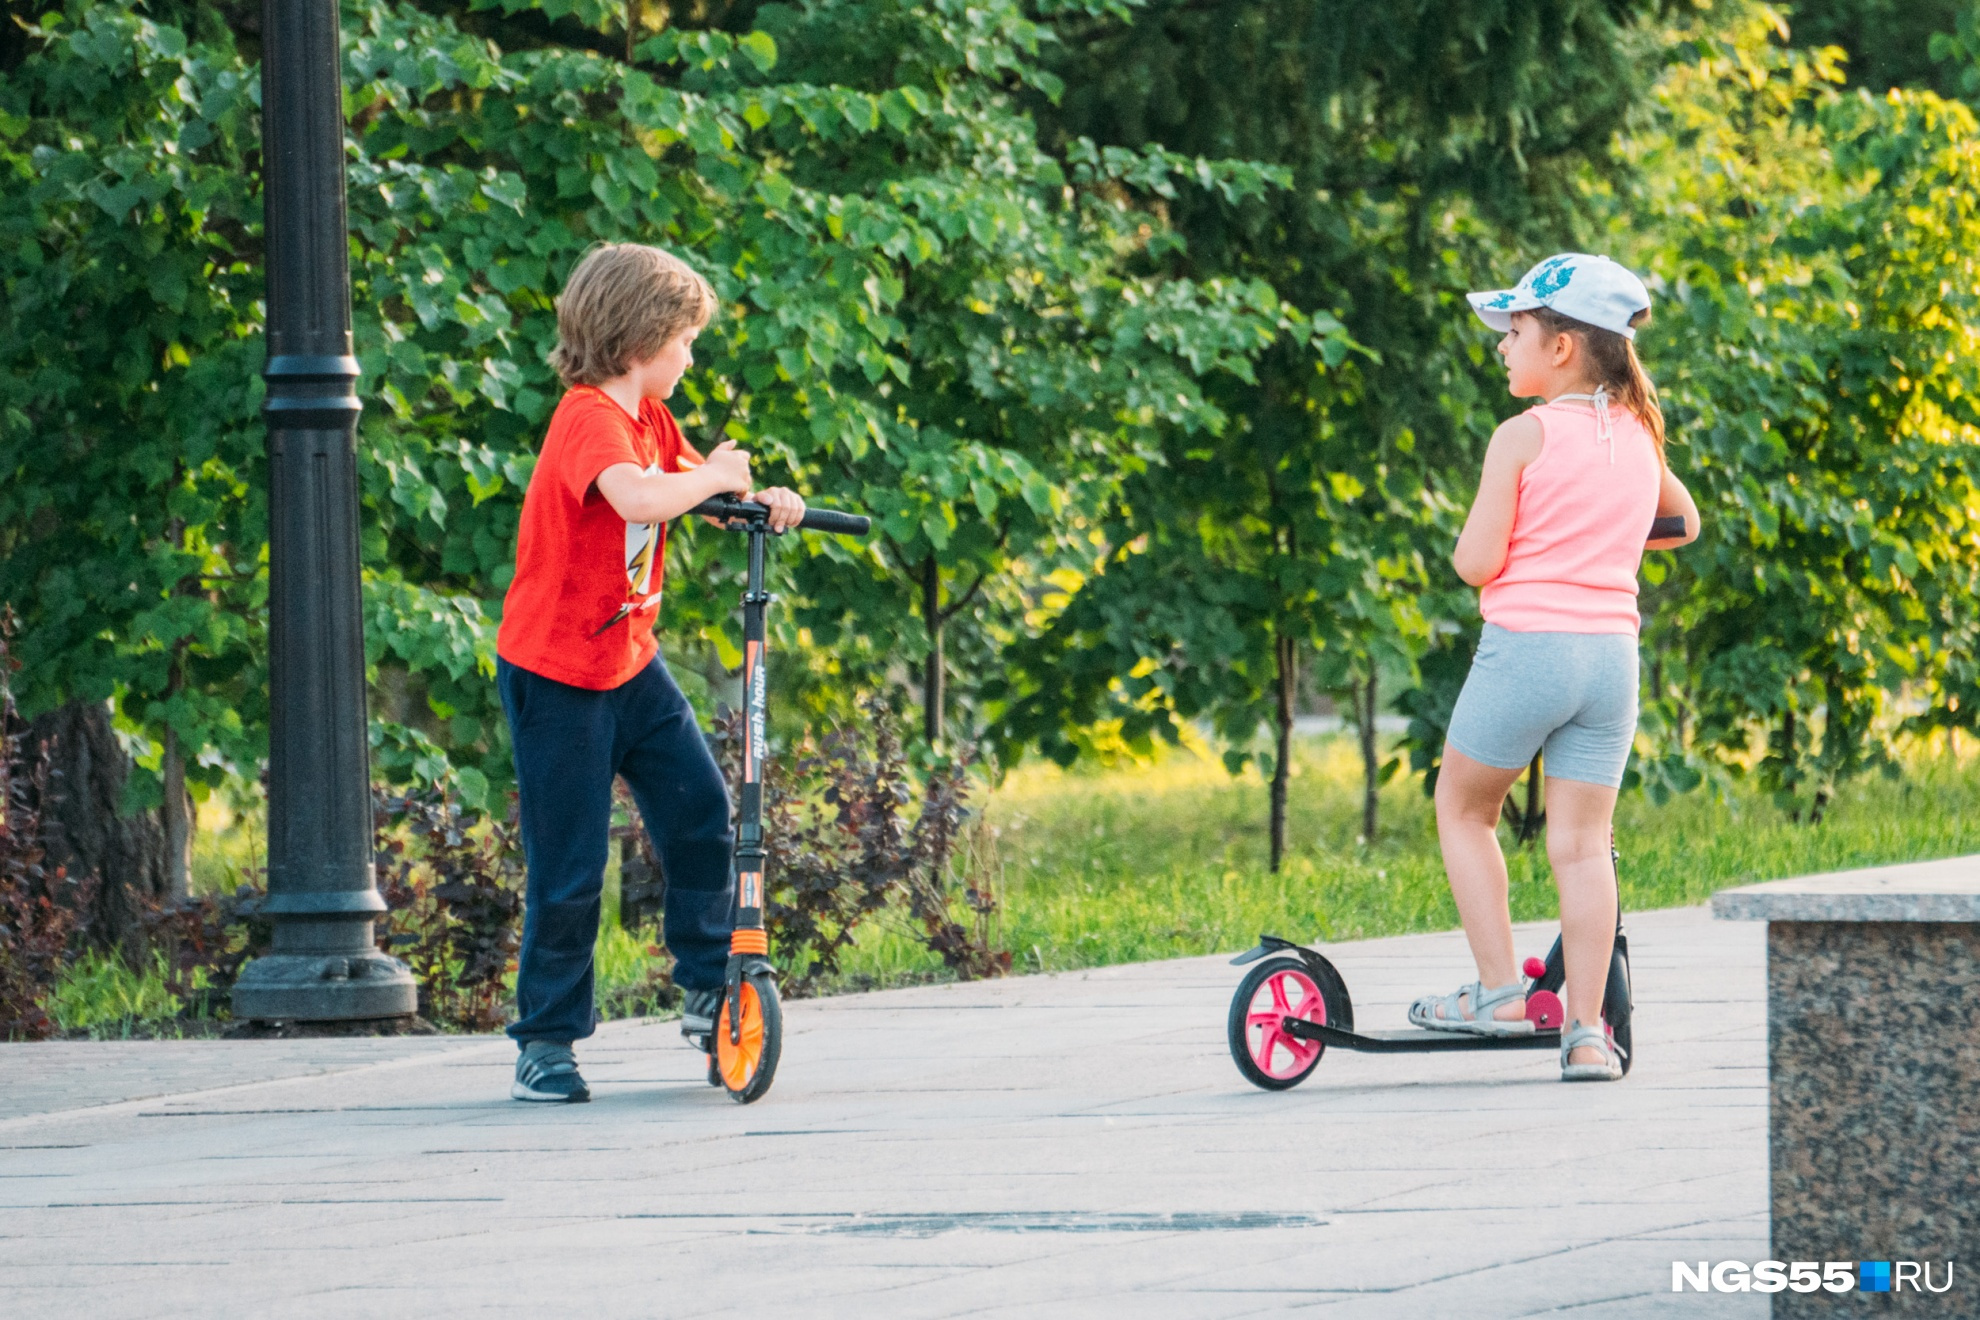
1612 361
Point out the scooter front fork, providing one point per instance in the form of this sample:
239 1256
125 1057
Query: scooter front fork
749 954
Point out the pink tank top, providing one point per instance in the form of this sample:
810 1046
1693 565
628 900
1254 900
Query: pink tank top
1584 512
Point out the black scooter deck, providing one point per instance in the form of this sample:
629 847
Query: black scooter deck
1415 1040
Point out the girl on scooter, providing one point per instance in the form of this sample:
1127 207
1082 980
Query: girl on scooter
1553 541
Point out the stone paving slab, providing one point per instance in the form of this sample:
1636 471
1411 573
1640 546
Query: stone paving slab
1075 1145
75 1074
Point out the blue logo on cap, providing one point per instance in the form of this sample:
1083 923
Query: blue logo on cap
1873 1276
1554 274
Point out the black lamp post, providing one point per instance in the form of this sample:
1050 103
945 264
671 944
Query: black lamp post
321 890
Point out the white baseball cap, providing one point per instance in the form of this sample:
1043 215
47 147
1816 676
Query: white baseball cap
1593 290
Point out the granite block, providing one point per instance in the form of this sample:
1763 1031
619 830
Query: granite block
1944 890
1874 1128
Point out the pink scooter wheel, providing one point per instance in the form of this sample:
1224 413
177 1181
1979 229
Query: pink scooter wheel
1273 991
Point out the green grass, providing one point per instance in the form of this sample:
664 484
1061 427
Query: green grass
1169 860
623 968
105 998
229 845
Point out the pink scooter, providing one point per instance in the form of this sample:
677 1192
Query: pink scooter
1294 1004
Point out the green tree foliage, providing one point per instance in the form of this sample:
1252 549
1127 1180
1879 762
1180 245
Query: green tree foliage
1138 327
1431 150
1816 348
1888 43
131 520
925 315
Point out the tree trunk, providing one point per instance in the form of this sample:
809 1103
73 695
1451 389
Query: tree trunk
1288 656
83 830
1790 775
178 820
1367 702
1657 685
1527 821
1536 803
176 812
932 679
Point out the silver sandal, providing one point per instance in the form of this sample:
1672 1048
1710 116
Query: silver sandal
1577 1036
1443 1013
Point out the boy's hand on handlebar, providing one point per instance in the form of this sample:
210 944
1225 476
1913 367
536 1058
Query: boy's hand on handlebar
786 506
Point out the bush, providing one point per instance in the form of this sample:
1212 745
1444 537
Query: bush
634 977
37 905
201 943
451 877
842 847
853 831
970 942
454 882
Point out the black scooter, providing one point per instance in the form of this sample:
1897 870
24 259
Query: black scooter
748 1036
1292 1006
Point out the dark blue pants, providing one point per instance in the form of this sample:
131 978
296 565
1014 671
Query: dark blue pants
569 743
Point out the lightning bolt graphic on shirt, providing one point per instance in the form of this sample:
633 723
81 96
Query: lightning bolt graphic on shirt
643 541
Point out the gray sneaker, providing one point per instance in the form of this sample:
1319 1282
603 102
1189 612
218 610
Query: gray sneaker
548 1071
698 1009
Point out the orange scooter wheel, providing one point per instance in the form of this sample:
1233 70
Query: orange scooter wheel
748 1065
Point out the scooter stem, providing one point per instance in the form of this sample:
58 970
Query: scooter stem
750 941
749 823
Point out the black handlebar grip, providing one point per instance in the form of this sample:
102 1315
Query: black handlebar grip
1664 529
730 509
841 524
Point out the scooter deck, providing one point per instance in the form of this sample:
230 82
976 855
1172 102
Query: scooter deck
1415 1040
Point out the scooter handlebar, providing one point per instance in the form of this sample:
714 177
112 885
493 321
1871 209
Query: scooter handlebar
839 524
730 509
856 524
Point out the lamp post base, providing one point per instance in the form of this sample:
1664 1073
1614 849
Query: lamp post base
325 987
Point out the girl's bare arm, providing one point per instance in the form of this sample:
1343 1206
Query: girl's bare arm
1673 499
1482 546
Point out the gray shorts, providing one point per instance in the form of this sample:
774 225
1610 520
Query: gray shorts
1572 695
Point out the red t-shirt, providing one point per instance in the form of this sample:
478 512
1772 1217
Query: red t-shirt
587 587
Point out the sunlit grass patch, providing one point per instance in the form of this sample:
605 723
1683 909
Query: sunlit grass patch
1169 860
106 998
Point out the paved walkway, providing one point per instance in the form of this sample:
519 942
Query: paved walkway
1075 1145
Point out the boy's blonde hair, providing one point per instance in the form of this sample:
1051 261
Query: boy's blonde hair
620 305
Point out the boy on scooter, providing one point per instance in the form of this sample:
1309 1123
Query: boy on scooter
587 695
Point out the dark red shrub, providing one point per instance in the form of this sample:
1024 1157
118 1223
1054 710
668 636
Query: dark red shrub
37 903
